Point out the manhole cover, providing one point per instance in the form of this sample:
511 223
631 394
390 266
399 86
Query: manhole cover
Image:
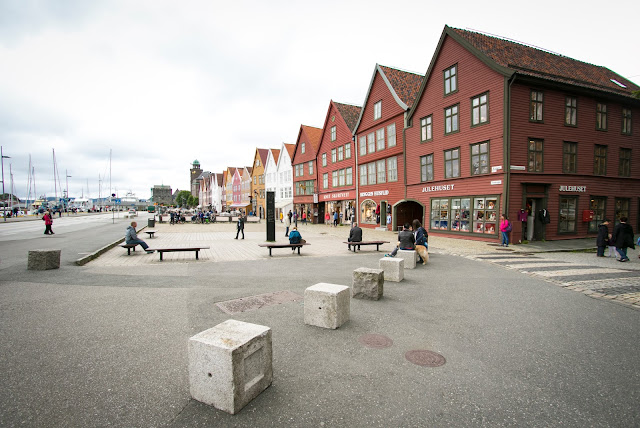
425 358
376 341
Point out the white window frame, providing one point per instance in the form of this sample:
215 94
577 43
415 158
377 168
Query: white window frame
380 139
334 133
363 145
391 135
377 110
392 169
381 171
371 142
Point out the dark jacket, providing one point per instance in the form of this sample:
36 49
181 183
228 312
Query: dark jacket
422 237
240 222
603 236
623 236
407 241
355 235
294 237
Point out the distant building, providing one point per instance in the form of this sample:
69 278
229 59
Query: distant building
162 194
193 178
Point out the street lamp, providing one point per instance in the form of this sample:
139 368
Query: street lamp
4 204
67 201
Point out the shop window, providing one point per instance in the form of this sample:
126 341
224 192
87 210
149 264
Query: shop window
598 205
480 158
535 155
368 212
485 215
622 208
624 167
567 215
569 157
439 214
477 214
460 215
600 160
571 111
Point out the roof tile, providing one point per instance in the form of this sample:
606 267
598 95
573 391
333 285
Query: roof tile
349 113
405 83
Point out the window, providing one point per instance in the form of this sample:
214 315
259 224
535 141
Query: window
380 139
302 148
349 176
569 157
324 159
452 163
624 167
341 174
363 146
535 108
426 130
295 167
363 175
333 155
371 167
347 151
325 180
340 153
480 109
391 135
368 212
377 110
567 217
571 111
626 121
601 117
382 172
535 156
255 180
334 178
392 169
310 167
598 205
451 119
333 133
451 80
480 158
622 208
371 142
426 168
600 160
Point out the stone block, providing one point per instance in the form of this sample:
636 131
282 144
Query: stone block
230 364
367 283
43 259
327 305
409 256
393 268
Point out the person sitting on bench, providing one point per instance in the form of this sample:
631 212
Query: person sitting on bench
406 241
131 237
355 235
295 237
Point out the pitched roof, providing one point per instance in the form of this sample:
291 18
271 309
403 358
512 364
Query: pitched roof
276 155
263 153
349 113
220 177
249 169
291 148
405 83
527 60
314 134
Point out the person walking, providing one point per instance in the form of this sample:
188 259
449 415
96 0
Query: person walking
327 218
335 219
623 238
505 228
240 226
603 237
287 224
131 237
48 222
304 217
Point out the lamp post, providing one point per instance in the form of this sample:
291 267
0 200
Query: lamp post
67 200
4 204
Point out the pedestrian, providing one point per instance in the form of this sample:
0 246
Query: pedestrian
603 237
505 228
304 217
287 225
422 241
335 218
240 226
389 220
406 241
48 222
280 216
355 235
327 218
131 237
295 237
623 238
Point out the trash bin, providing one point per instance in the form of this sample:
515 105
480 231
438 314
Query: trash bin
152 222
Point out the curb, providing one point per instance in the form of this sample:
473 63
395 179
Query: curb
86 259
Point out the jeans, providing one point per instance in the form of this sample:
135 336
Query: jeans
140 242
623 253
286 233
505 238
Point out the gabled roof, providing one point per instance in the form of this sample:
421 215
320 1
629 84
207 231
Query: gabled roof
314 134
249 169
220 178
263 153
291 148
403 85
276 155
350 114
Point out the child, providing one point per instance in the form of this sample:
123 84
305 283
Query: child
612 248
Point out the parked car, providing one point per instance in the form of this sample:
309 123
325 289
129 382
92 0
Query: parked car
133 212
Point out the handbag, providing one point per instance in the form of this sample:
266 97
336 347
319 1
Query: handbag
508 228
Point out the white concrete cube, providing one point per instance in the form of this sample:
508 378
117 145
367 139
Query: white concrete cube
43 259
409 256
367 283
393 268
327 305
230 364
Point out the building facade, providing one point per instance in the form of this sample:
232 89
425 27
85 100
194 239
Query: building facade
284 189
161 195
258 198
271 175
305 172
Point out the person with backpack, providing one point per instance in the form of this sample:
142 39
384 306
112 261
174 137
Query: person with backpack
505 229
295 237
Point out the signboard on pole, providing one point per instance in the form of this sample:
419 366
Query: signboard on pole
271 216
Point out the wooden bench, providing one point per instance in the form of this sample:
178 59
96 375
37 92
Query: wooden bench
129 247
272 246
150 232
354 244
173 250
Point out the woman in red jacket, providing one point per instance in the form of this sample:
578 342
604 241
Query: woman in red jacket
48 222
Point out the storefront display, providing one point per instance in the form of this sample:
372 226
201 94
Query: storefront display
368 212
453 214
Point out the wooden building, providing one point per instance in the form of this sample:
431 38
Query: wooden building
305 172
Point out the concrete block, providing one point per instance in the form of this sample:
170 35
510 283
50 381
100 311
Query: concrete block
409 256
327 305
393 268
230 364
367 283
43 259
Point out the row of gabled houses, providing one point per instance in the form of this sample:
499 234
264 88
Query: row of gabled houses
493 127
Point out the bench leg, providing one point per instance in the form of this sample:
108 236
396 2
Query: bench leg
377 247
270 252
129 251
299 250
196 254
160 255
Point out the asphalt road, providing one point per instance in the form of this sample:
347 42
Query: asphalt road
81 346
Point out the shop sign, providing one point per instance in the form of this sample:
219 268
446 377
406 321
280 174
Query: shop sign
496 168
437 188
518 167
336 196
374 193
580 189
494 182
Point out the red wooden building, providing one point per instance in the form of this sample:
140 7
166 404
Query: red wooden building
501 127
379 149
336 162
305 172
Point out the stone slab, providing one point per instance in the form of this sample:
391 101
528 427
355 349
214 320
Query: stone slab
327 305
409 256
393 268
367 283
43 259
230 364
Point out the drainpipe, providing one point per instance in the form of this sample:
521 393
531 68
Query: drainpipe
507 147
356 177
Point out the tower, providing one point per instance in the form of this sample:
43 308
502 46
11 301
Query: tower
195 173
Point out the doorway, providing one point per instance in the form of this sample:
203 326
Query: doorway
321 213
535 226
406 212
383 214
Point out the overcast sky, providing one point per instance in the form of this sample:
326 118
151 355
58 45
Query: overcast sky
161 83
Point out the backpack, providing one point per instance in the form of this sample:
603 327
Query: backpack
508 228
